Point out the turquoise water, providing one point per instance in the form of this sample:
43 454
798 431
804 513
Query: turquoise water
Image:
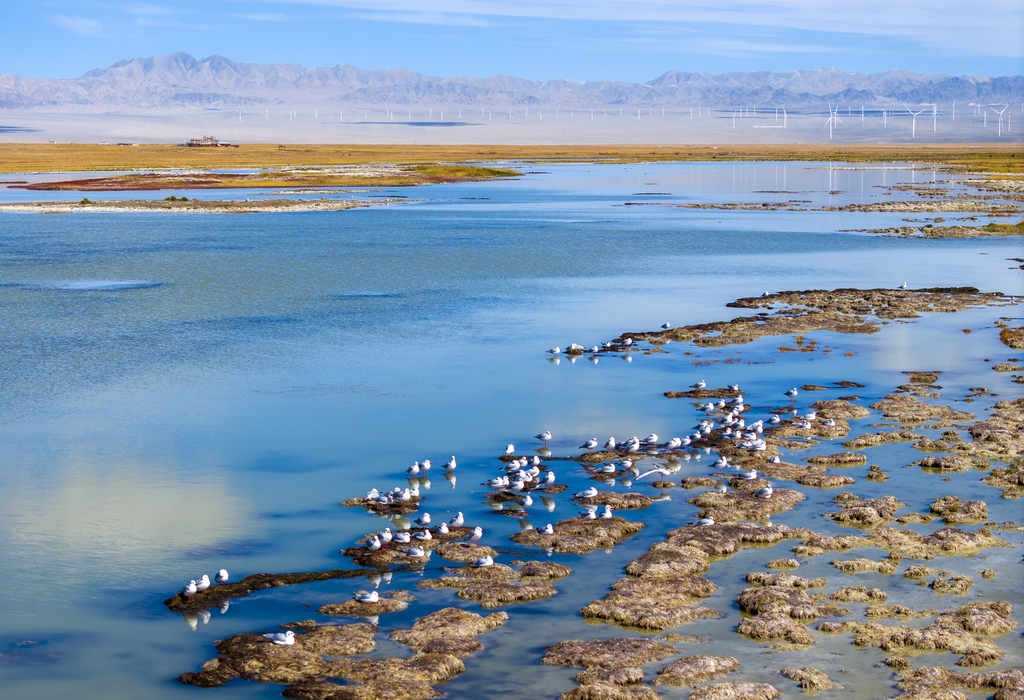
183 393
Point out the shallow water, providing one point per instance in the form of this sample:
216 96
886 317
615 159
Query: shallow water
183 393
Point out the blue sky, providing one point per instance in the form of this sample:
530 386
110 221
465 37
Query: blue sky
632 40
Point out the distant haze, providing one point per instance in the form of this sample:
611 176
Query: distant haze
180 81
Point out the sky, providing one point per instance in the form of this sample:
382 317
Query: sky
629 40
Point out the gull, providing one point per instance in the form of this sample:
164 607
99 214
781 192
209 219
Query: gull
414 469
203 583
544 437
703 522
535 461
555 350
766 294
588 514
650 439
633 447
517 485
627 342
828 422
699 385
385 536
656 470
548 479
405 495
189 590
222 576
720 404
606 469
372 495
595 349
665 326
548 529
498 482
588 493
766 492
903 286
527 501
775 419
364 597
414 552
738 401
374 544
425 465
442 529
450 464
478 532
423 520
510 449
423 536
589 445
483 561
458 521
673 443
532 473
610 445
403 537
708 408
721 462
811 415
685 442
792 393
749 476
607 346
606 514
283 638
776 460
734 387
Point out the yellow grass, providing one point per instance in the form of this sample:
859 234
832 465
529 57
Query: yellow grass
38 157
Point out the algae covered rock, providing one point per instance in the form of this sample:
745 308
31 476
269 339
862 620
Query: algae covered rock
618 652
618 501
448 631
865 511
953 511
882 438
498 585
359 609
859 594
255 657
839 409
691 670
580 535
811 680
215 596
886 567
735 690
839 459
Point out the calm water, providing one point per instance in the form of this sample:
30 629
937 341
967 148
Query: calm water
182 393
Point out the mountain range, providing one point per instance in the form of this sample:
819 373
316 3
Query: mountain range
180 81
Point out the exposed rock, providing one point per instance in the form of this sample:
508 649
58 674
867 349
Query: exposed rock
448 631
628 675
908 409
735 690
618 501
865 511
987 574
215 596
781 611
963 631
838 408
876 474
618 652
881 438
886 567
948 541
811 680
1010 479
949 463
957 585
954 511
931 682
498 585
764 578
841 459
783 564
359 609
464 552
653 603
580 535
691 670
919 572
859 594
731 506
695 482
898 612
724 539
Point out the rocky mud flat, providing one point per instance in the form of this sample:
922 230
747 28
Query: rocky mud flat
190 206
891 579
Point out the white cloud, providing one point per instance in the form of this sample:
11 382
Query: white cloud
79 25
266 17
948 24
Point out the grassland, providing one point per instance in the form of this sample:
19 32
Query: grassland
431 161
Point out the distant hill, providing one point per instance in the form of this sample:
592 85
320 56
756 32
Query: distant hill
181 81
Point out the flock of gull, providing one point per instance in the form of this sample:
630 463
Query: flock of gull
521 475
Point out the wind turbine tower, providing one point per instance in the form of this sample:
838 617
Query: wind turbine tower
913 126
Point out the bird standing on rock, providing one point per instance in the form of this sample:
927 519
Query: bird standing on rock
458 521
792 393
510 450
587 493
544 437
589 445
610 445
282 638
478 532
423 520
374 544
222 576
704 522
364 597
203 583
189 590
699 385
548 529
766 492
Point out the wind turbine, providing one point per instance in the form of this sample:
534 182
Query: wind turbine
913 126
935 117
785 116
954 109
833 118
1000 113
